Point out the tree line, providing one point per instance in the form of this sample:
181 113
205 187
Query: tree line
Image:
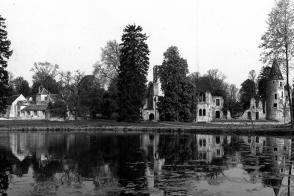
117 88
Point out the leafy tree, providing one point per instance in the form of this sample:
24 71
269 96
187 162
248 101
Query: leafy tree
109 105
21 86
262 79
134 63
278 40
69 85
213 81
48 83
176 103
106 69
5 53
58 109
247 91
90 96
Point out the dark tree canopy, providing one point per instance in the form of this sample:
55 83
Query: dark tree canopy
263 78
247 91
21 86
132 72
90 97
5 53
58 109
176 103
48 83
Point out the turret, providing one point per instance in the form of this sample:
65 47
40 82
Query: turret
276 96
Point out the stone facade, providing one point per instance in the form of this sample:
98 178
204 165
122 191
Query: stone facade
277 100
150 111
255 111
209 107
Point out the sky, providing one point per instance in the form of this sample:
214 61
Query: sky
210 34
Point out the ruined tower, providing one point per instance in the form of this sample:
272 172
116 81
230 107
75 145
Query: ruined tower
277 106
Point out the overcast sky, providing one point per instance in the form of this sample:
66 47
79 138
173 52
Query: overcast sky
209 33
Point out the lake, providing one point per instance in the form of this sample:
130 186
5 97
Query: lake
44 163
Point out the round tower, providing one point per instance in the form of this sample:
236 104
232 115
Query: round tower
276 96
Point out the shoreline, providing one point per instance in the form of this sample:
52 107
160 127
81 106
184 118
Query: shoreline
108 126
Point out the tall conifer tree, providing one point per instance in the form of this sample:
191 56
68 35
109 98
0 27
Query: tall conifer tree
134 63
5 53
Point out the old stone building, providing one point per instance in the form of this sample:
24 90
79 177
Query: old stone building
277 99
150 111
256 111
209 107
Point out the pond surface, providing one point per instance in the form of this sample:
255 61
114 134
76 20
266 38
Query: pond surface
144 164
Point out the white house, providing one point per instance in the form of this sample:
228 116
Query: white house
15 104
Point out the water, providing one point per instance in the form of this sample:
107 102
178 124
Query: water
144 164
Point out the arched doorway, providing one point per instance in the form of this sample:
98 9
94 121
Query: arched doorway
151 116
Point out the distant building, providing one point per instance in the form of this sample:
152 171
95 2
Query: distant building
209 107
39 110
150 111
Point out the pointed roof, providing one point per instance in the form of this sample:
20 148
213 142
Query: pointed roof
43 91
275 71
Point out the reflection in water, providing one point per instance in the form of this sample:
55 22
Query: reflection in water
145 164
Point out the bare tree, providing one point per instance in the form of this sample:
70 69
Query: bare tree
106 69
44 69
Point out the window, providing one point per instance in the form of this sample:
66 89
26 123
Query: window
257 139
35 113
275 105
249 139
281 84
204 112
275 149
217 139
202 97
217 102
276 96
202 142
218 152
200 112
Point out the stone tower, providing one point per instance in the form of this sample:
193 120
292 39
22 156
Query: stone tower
277 106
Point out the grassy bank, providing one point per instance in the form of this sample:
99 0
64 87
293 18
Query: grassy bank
238 128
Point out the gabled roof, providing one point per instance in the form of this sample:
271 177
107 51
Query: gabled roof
35 108
43 91
275 71
11 99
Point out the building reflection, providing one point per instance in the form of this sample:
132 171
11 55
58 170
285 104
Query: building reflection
145 163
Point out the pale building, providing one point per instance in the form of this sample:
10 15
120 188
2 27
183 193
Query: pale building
255 111
277 100
209 107
39 110
150 111
15 104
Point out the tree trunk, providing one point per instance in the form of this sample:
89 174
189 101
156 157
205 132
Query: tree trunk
288 86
